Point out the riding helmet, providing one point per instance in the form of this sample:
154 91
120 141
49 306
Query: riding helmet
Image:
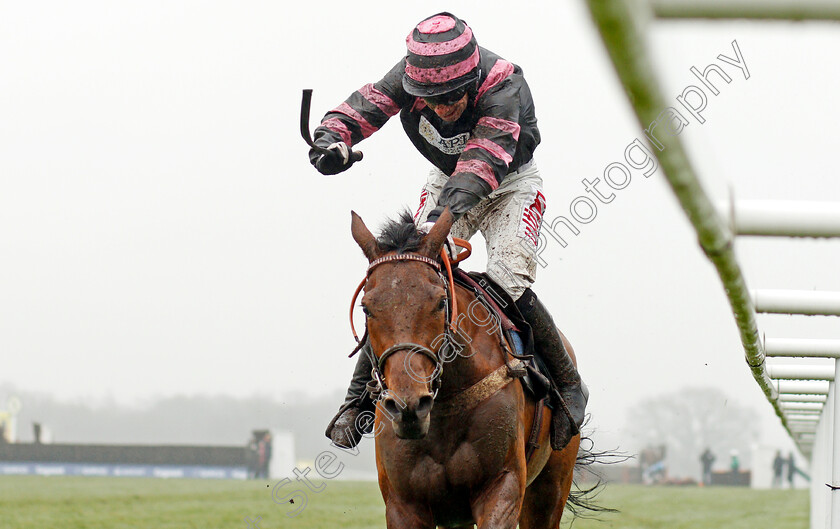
442 56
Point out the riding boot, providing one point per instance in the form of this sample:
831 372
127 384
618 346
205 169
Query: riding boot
569 394
343 430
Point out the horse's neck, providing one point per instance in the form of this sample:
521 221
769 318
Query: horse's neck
480 337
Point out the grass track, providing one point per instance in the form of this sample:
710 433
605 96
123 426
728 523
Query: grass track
28 502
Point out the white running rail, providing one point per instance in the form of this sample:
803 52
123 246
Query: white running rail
806 400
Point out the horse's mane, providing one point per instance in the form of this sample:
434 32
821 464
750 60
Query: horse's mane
400 235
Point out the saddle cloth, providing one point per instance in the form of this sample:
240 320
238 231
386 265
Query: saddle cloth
516 330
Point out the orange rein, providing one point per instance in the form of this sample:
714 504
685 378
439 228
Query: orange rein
447 262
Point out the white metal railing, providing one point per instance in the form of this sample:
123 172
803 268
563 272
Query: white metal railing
806 302
801 387
801 372
802 406
621 24
785 218
802 347
814 397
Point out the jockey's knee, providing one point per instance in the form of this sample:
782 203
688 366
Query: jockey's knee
514 282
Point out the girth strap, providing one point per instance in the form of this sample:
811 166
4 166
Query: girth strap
534 440
480 391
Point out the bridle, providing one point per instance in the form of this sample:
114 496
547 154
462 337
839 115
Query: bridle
451 307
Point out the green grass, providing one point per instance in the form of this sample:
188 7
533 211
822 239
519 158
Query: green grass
117 503
701 508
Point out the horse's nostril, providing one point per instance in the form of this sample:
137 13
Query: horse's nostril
424 405
391 407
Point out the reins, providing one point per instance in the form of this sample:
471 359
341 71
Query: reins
452 308
464 400
423 259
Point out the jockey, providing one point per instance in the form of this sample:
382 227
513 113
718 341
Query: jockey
471 114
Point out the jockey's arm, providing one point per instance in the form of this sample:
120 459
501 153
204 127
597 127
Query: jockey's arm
488 153
363 113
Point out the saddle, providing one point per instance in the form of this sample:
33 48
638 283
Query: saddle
520 341
516 330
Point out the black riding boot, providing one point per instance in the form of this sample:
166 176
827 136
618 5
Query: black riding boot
343 429
570 396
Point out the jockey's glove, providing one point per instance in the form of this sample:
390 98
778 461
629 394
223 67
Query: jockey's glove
451 249
336 160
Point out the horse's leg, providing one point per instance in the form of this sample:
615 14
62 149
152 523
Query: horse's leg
498 506
398 512
401 515
546 496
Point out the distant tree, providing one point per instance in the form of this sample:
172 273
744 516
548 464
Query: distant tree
689 421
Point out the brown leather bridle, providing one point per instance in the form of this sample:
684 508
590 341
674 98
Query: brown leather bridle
423 259
452 308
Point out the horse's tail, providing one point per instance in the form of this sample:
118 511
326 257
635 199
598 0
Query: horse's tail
583 498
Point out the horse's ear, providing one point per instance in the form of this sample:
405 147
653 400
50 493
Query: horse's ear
433 242
363 237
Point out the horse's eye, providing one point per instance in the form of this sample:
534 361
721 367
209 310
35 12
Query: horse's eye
366 311
441 304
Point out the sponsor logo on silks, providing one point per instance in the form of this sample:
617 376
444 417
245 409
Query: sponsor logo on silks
453 145
423 196
532 217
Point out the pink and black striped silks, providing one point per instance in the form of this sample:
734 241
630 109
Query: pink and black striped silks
495 136
442 55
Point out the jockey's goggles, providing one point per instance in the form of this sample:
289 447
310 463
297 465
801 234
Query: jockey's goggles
449 98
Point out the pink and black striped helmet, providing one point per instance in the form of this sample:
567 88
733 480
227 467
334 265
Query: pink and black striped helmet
442 56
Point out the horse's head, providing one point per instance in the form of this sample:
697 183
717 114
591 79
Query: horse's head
406 305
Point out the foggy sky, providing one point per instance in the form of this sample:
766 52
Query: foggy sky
162 232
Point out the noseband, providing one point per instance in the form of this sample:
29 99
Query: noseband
451 308
379 366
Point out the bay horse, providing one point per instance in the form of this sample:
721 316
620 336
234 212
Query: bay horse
447 460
